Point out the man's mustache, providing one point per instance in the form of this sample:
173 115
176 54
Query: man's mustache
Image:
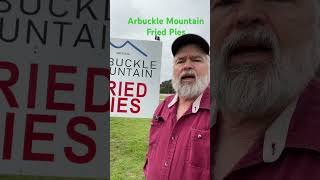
187 73
244 39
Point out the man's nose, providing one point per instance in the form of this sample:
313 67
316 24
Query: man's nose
188 64
250 13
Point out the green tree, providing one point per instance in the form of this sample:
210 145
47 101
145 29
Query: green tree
166 87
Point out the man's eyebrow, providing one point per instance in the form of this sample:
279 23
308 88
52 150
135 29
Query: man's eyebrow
180 58
195 56
190 56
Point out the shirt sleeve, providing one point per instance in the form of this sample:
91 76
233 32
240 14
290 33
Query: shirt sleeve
156 113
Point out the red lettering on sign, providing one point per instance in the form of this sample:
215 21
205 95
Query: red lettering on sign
30 97
89 106
8 136
30 136
54 86
33 86
135 103
120 89
112 86
83 139
141 90
127 89
130 89
121 104
112 104
5 85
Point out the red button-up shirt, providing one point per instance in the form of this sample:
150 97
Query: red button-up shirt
180 149
299 156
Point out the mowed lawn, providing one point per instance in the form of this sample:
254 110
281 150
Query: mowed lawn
128 146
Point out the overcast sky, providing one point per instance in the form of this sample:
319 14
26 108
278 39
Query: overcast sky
122 10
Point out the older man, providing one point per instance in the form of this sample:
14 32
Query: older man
266 54
179 141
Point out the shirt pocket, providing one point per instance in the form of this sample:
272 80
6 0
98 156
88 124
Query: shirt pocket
196 173
156 125
199 152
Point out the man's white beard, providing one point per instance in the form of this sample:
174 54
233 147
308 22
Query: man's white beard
247 89
190 90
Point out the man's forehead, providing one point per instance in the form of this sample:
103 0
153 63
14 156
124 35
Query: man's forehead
189 54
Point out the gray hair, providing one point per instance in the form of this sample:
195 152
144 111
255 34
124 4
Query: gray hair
240 90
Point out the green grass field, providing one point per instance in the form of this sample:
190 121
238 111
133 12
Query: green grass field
128 146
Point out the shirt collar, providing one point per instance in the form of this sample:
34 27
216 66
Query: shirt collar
173 101
305 123
296 126
276 135
203 101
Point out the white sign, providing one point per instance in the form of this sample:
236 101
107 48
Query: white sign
135 77
54 88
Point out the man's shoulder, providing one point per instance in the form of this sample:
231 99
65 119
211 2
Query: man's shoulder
169 98
164 103
307 161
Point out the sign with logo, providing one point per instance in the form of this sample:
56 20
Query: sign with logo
54 88
134 77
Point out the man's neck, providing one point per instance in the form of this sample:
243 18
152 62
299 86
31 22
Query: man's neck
184 100
237 124
183 105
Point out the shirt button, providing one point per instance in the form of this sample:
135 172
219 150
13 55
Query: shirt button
172 138
199 136
166 164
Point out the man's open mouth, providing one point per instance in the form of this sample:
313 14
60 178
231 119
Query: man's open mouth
250 52
188 77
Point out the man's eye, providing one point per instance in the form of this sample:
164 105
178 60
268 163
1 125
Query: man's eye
179 61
